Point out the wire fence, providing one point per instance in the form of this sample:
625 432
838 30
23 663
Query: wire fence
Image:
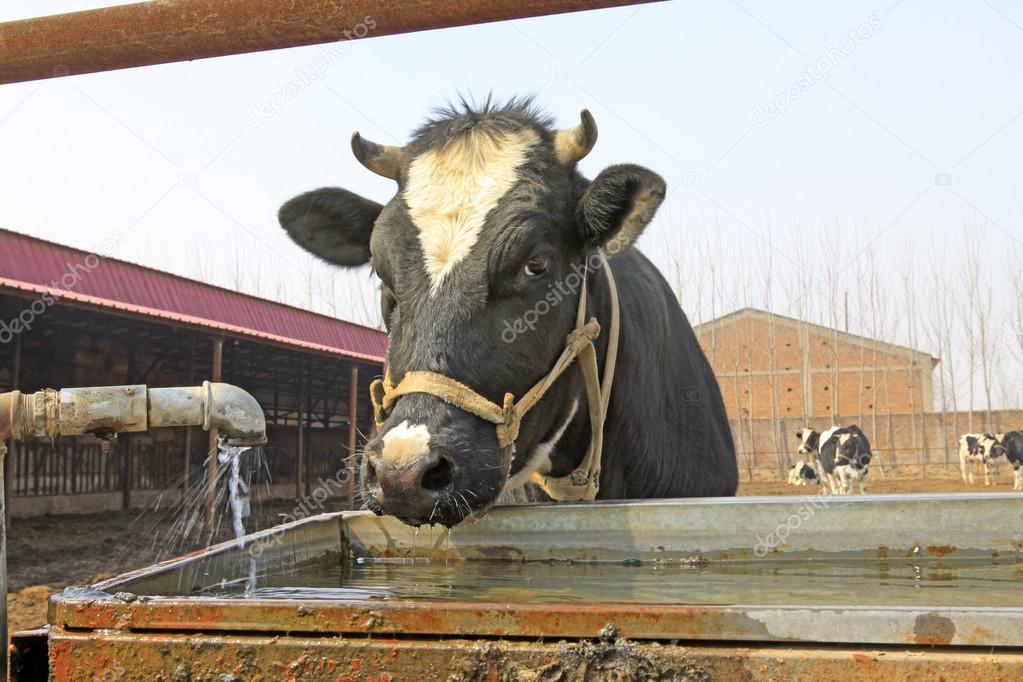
71 468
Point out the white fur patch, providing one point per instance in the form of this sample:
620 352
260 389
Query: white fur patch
451 190
405 444
540 458
826 436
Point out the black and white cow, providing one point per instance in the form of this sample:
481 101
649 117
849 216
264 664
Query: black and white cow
476 252
982 449
843 454
803 473
1012 443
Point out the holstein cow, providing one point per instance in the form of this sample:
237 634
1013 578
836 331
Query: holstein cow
843 454
979 449
506 279
1012 442
803 473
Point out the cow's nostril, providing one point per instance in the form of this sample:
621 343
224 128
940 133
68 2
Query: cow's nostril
439 476
371 471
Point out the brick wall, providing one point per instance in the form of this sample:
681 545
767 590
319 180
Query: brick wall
781 368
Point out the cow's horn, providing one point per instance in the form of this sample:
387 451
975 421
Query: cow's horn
382 159
572 144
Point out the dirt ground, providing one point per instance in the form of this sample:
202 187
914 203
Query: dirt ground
48 553
45 554
902 479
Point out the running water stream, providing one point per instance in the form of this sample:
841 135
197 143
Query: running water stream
238 497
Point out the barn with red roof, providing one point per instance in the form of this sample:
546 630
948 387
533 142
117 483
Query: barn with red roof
68 314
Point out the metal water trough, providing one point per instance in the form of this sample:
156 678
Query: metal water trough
155 621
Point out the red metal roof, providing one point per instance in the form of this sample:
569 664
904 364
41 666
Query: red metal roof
37 266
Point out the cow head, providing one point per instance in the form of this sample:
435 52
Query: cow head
808 441
489 224
809 473
991 446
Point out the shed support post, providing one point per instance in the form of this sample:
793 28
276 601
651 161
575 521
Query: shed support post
12 448
211 461
307 452
188 429
353 419
299 454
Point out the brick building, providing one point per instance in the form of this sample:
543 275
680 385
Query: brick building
772 366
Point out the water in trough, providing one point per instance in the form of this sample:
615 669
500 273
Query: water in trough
934 583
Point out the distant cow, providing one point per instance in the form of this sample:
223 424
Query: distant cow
979 449
803 473
1012 443
843 453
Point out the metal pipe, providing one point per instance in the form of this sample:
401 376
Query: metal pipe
108 410
164 31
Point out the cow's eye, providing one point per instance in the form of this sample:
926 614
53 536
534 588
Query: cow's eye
536 266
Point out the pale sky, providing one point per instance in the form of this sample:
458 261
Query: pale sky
908 144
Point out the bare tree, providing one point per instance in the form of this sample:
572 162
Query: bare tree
936 333
1013 329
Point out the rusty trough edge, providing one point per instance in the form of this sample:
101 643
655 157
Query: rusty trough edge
148 33
858 625
77 656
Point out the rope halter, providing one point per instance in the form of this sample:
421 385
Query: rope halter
584 481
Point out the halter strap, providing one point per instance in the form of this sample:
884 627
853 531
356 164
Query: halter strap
584 481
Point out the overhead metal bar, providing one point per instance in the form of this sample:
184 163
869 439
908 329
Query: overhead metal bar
163 31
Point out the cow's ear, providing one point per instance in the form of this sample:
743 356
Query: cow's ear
618 205
331 223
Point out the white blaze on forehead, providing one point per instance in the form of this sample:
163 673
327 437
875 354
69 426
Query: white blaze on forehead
451 190
405 444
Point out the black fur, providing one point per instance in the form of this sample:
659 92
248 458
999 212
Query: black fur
1013 444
